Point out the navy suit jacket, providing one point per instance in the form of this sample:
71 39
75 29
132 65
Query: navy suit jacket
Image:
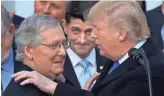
128 79
17 20
15 89
70 74
155 20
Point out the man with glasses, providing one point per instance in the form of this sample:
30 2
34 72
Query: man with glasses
121 25
41 47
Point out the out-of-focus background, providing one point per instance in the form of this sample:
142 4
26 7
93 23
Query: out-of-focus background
25 8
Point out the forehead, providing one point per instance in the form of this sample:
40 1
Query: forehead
53 34
75 22
99 21
57 2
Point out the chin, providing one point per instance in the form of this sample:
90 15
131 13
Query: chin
102 53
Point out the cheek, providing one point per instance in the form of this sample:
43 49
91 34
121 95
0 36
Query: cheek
72 37
56 13
37 7
90 40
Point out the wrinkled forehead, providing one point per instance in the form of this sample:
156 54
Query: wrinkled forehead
53 32
53 35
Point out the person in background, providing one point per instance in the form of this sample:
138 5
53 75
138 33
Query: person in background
119 26
56 9
8 63
155 20
83 58
40 46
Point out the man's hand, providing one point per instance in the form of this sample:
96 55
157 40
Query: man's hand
33 77
89 83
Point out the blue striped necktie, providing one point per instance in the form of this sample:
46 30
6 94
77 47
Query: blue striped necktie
85 74
115 65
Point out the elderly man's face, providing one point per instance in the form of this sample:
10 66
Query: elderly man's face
6 41
55 9
78 33
49 60
106 39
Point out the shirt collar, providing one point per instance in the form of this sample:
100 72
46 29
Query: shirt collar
75 59
8 64
92 57
126 56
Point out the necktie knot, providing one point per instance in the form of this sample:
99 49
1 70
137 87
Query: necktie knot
84 63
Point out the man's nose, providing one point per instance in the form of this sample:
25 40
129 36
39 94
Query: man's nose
46 9
82 38
62 51
93 35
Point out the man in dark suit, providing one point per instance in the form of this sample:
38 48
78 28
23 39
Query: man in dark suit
155 19
8 63
17 20
121 25
39 38
82 46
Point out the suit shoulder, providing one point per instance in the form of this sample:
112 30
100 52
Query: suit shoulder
15 89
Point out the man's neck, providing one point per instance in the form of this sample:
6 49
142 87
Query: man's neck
126 47
28 62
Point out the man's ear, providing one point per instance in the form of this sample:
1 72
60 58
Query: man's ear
12 29
28 51
64 24
122 34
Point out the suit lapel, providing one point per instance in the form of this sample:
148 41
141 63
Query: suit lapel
100 60
119 71
105 64
126 66
69 72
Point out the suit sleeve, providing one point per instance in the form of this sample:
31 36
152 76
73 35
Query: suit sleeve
64 89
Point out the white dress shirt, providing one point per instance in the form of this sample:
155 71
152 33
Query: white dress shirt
75 59
126 56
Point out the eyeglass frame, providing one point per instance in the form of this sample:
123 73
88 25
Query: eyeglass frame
65 44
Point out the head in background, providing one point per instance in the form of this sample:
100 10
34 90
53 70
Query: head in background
54 8
77 29
7 32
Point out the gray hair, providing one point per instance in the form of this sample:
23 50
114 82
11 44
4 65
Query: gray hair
5 18
29 32
124 14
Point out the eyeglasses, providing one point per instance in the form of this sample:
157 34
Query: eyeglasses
65 44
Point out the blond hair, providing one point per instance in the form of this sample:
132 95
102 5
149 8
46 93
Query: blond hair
123 14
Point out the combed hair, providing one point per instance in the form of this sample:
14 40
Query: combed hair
29 32
5 19
123 14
